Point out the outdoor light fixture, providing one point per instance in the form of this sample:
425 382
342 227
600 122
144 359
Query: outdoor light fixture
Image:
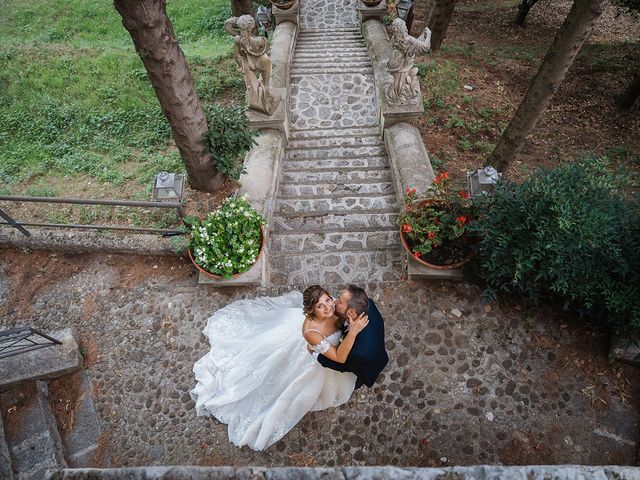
168 187
263 15
482 181
404 10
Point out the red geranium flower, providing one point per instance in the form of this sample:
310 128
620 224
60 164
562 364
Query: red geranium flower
431 235
406 228
461 219
463 194
411 191
417 254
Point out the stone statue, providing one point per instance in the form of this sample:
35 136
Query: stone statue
405 87
250 52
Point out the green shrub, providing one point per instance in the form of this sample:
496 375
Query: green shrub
228 138
569 233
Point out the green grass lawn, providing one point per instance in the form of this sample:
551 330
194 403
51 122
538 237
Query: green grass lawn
75 101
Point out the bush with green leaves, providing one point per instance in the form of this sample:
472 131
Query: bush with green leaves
228 240
571 233
228 138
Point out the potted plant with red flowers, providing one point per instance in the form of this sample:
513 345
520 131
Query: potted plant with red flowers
434 229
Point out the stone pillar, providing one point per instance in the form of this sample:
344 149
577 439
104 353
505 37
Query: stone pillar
291 14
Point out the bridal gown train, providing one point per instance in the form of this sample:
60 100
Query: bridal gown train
258 376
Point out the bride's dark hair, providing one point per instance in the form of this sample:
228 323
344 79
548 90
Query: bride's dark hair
310 297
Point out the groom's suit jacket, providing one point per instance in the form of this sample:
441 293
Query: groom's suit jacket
368 355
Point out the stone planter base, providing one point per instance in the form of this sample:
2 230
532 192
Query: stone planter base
255 276
418 271
626 350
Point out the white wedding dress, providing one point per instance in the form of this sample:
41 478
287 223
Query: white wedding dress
258 376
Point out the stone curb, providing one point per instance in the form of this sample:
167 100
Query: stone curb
480 472
88 241
375 36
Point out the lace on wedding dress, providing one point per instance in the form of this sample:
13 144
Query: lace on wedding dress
325 344
258 376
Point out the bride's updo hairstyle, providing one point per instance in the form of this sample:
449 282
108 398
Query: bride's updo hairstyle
310 297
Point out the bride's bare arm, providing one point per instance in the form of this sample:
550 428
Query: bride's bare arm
340 353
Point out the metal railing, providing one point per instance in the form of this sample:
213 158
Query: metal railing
19 225
24 339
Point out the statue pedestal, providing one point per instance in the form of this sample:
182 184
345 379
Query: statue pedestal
391 114
278 118
376 13
291 14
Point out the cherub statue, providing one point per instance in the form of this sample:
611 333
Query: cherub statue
405 87
250 52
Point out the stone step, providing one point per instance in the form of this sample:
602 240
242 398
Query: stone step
313 133
361 140
351 203
6 471
288 190
31 431
334 241
302 72
329 33
332 30
340 177
48 362
328 164
344 63
81 440
335 152
339 55
332 44
327 52
356 266
333 221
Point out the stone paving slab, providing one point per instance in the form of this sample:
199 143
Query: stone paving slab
335 221
324 189
345 151
336 177
31 433
335 241
467 383
341 204
335 164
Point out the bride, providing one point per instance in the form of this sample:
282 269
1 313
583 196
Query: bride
259 377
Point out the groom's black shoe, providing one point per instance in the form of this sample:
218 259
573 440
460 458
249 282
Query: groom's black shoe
358 383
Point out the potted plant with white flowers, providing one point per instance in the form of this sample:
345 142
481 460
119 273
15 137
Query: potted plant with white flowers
228 241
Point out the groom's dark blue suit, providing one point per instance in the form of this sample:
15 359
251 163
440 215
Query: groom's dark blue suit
368 355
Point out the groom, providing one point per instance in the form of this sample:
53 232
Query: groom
368 356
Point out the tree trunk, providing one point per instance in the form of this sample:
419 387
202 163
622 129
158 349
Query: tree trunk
242 7
569 38
630 95
439 19
523 11
157 46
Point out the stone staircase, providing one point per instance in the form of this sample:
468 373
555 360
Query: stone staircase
31 438
336 210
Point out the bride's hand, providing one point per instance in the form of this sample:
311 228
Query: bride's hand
358 324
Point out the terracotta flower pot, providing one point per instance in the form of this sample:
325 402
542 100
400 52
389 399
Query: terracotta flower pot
449 266
283 5
235 275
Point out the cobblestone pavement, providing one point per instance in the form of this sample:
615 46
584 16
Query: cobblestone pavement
336 209
467 383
